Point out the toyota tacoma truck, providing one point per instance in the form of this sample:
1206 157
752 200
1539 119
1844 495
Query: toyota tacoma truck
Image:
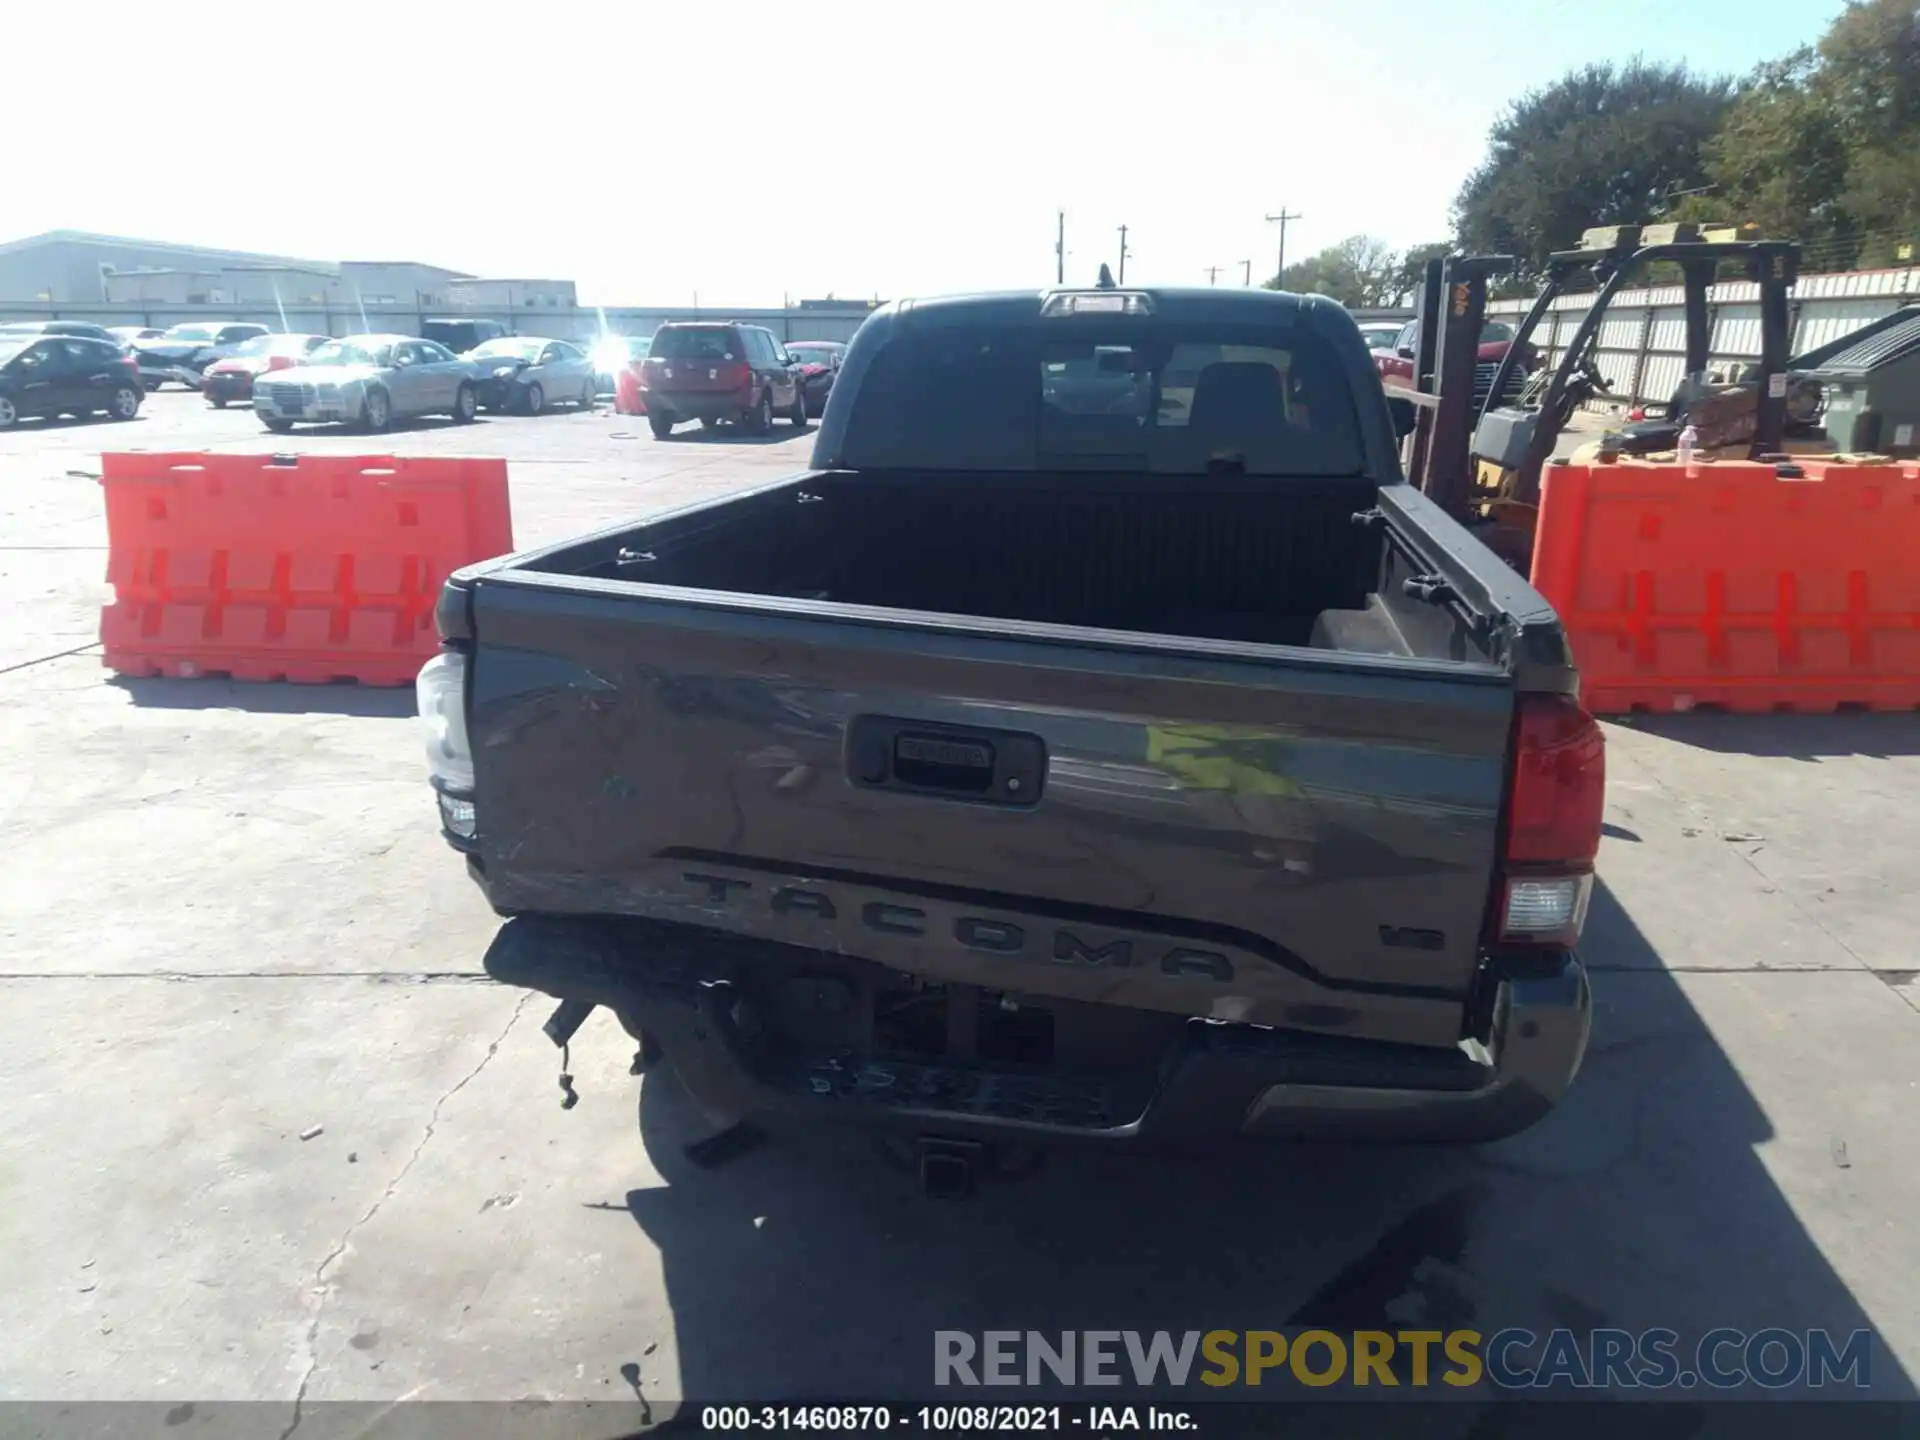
1101 741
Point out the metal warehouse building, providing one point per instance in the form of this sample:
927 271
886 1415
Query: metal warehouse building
71 267
114 280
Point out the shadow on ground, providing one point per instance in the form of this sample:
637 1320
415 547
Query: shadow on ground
28 424
397 427
268 697
734 435
1790 737
1640 1203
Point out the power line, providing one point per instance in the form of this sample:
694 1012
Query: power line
1281 220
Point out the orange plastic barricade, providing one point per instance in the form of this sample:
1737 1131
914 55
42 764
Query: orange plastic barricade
308 568
1740 587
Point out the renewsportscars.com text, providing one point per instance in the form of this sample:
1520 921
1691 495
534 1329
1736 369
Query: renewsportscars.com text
1511 1359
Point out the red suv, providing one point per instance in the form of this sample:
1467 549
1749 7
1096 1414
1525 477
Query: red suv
1395 363
716 372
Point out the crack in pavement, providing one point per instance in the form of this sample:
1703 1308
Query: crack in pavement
1778 887
346 1239
41 660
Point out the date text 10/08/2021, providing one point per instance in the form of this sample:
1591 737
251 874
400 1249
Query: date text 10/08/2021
1084 1419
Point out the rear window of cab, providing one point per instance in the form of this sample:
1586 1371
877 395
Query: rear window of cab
696 342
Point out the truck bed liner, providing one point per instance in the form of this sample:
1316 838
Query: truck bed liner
1225 558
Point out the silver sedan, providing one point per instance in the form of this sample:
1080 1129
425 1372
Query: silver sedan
369 381
528 373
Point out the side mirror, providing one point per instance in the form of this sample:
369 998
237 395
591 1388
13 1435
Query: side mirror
1405 352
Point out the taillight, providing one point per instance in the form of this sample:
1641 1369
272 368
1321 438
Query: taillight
1553 822
739 375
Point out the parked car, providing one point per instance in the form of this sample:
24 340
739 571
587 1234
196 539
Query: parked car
1396 367
460 336
1381 334
613 354
719 372
370 381
59 327
1022 773
232 379
132 335
819 367
528 373
66 375
182 353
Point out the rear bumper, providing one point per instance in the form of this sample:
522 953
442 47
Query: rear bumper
694 991
155 373
697 405
227 385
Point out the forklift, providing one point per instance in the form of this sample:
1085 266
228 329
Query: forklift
1485 469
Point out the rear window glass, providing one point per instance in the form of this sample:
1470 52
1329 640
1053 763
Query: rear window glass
1168 400
708 343
275 345
512 346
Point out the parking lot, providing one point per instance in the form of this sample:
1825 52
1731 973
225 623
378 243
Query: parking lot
227 922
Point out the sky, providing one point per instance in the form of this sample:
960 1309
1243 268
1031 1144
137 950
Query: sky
748 152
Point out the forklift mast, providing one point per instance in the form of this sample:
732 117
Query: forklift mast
1452 308
1616 256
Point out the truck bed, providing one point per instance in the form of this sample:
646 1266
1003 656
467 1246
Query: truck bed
1226 559
1244 758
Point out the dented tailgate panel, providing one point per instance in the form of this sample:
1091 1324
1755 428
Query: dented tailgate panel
1229 831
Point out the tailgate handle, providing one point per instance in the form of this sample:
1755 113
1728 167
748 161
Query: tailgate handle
994 767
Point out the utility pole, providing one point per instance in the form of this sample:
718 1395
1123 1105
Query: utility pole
1281 220
1060 249
1246 272
1212 270
1123 254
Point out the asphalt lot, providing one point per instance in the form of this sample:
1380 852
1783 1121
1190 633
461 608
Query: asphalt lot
226 918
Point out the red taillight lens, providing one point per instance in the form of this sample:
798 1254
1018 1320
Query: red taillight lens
1559 783
1553 821
279 362
739 375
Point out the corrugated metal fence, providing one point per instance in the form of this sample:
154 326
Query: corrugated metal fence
1642 344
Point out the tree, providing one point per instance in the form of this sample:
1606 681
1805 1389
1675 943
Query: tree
1605 145
1409 274
1870 82
1359 271
1870 72
1823 146
1780 159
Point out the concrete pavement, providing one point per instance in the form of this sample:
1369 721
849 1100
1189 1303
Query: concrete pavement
226 919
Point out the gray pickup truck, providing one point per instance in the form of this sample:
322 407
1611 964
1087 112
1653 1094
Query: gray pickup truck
1101 741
